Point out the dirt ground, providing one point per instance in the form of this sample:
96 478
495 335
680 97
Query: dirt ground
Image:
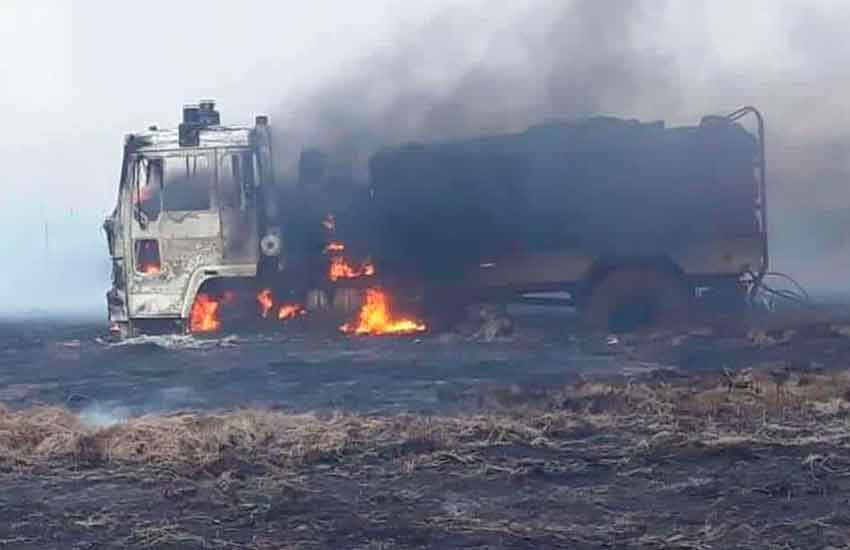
731 436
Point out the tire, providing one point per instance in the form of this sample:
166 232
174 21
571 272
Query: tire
347 301
122 331
726 297
444 312
634 298
316 300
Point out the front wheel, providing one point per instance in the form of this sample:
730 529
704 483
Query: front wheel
633 298
444 312
121 330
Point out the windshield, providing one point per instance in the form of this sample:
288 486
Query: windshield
187 182
172 184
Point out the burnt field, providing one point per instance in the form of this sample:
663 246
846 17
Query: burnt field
707 438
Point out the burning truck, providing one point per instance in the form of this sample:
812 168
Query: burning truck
196 236
194 206
630 222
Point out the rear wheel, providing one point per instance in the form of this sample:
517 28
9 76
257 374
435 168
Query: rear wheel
726 297
633 298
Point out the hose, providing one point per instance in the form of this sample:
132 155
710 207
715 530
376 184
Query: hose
799 296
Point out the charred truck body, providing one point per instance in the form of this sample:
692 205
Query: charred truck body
629 218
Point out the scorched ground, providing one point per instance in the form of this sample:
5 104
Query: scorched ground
545 439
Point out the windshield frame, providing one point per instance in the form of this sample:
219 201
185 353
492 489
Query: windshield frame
213 155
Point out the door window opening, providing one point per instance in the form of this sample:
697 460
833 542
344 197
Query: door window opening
187 183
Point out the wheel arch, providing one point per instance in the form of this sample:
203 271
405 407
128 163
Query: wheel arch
606 265
628 295
200 277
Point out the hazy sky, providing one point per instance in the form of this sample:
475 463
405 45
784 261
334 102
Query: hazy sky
76 76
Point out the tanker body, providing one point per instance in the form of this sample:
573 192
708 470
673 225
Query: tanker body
630 220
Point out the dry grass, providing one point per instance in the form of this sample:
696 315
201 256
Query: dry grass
606 445
44 433
806 407
37 432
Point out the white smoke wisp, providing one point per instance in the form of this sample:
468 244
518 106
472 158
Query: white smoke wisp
102 415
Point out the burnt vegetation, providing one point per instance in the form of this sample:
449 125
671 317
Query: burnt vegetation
746 460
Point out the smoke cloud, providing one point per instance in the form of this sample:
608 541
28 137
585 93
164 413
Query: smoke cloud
454 78
461 75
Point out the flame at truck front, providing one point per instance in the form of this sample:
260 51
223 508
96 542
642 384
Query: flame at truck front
204 316
266 301
150 269
285 312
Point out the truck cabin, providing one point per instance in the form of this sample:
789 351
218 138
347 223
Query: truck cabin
186 215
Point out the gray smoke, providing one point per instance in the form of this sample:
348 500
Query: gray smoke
644 59
809 150
561 60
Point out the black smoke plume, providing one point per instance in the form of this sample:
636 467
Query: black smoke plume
459 76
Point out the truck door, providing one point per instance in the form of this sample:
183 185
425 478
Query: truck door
176 229
236 185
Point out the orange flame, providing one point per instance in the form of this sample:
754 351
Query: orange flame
341 269
266 300
143 194
150 269
334 247
339 266
204 316
287 312
376 318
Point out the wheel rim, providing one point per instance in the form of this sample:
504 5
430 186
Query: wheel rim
632 314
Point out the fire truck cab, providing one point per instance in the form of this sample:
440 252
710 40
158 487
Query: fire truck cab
192 208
